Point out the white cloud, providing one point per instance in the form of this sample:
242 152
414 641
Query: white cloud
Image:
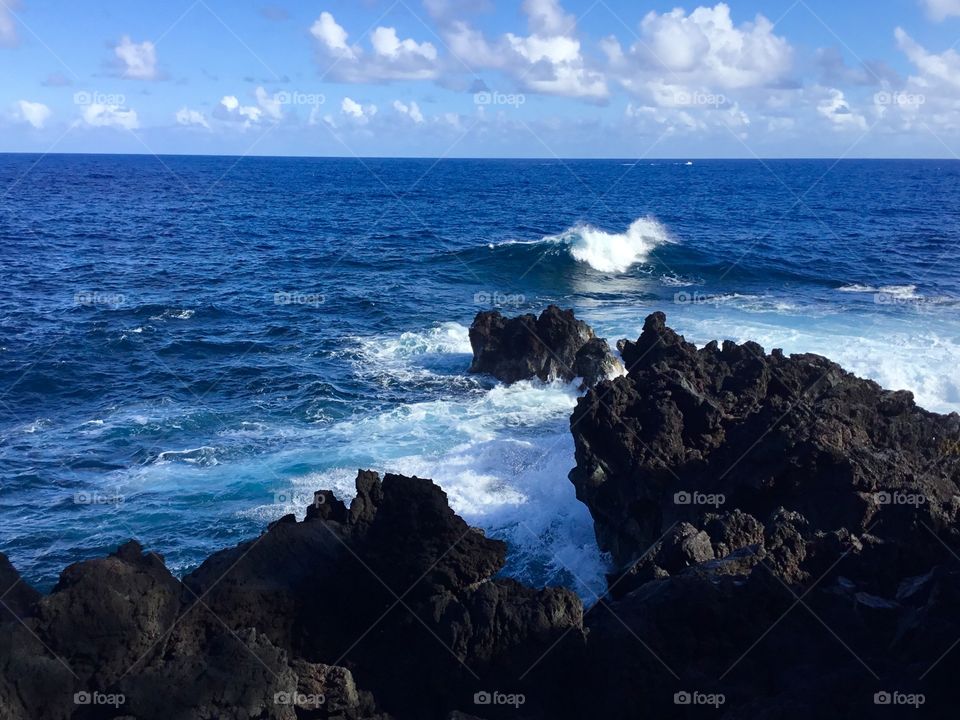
392 58
34 113
351 107
929 99
355 111
703 50
556 67
188 117
236 111
99 115
386 43
944 67
412 110
549 60
268 106
139 59
836 109
333 37
547 18
8 25
940 10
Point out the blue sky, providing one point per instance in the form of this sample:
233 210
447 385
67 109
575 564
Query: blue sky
478 78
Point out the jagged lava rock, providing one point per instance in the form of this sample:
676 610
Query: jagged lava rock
554 345
689 432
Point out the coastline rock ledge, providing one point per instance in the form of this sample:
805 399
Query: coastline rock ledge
553 346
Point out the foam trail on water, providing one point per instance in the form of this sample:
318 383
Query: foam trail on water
613 252
501 456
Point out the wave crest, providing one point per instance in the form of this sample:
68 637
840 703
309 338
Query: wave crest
613 252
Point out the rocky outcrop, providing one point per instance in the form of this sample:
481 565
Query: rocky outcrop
388 606
689 433
397 570
785 535
17 598
554 345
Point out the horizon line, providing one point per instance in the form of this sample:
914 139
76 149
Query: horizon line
476 157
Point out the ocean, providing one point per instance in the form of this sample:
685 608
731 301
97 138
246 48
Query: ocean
190 346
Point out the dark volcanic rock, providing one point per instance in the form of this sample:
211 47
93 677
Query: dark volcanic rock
786 535
389 605
17 598
555 345
106 614
401 570
689 433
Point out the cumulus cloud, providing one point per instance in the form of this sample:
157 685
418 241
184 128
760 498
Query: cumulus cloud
940 10
34 113
389 57
270 104
332 37
929 99
549 60
412 110
351 108
187 117
231 109
547 18
8 25
387 44
268 107
944 67
100 115
139 59
835 108
703 49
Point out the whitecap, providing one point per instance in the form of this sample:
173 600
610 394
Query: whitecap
900 292
204 456
613 252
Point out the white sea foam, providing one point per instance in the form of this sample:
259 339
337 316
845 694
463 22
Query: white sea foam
502 457
447 338
613 252
204 455
901 292
437 355
170 314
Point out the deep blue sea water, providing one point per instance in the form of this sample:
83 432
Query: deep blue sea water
189 346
